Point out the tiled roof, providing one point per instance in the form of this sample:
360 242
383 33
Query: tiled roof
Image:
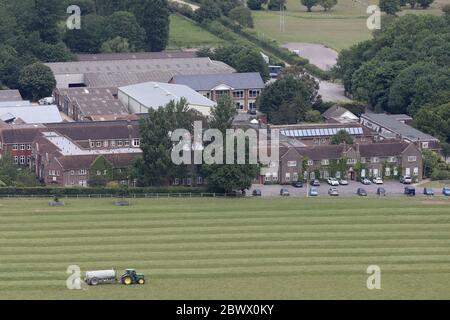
322 152
382 149
206 82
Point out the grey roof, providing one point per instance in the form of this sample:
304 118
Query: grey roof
33 114
206 82
10 95
176 65
89 93
136 55
391 123
156 94
94 107
23 103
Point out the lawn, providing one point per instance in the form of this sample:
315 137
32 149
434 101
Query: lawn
185 34
229 248
340 28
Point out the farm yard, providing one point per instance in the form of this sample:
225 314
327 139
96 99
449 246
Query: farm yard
228 248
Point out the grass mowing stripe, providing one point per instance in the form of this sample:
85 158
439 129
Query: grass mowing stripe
258 270
224 234
20 253
114 227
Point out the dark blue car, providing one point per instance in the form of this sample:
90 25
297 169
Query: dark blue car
446 191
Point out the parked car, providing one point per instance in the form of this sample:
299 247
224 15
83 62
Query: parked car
297 184
361 192
284 192
343 182
410 191
313 192
47 101
315 183
334 192
377 180
257 193
446 191
381 192
366 181
333 182
428 192
405 179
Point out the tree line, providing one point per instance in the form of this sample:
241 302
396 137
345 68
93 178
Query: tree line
405 68
34 31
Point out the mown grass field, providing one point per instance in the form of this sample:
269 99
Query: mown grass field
185 34
338 29
229 249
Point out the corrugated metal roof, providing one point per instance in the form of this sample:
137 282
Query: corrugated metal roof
391 123
34 114
137 66
10 95
157 94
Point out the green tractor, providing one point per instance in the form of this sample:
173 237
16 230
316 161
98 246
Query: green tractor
131 277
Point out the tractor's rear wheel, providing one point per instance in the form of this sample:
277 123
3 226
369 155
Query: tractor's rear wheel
141 281
127 281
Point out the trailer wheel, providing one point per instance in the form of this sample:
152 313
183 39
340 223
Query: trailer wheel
141 281
93 282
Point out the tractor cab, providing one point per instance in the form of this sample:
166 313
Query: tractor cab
131 277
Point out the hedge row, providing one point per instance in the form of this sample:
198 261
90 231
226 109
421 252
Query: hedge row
40 191
273 48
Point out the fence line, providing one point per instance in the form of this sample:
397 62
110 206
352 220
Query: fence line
129 196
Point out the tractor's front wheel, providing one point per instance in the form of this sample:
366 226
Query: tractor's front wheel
141 281
127 281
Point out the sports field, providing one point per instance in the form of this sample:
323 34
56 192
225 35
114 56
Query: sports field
229 248
339 28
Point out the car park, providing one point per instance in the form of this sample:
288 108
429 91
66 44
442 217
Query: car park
446 191
315 183
333 182
313 192
284 192
405 180
334 192
381 192
366 181
377 180
361 192
257 193
343 182
428 192
410 191
297 184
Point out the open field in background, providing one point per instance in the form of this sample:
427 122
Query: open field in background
338 29
229 249
185 34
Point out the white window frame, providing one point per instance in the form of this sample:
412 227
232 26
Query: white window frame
292 163
412 158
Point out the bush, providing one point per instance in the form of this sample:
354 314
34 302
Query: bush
439 174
